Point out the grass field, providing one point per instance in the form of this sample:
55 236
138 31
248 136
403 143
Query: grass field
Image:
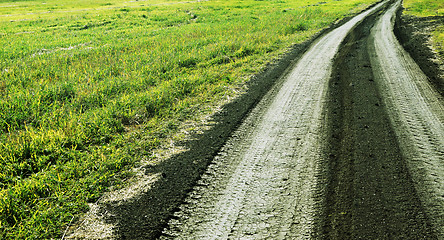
429 8
87 88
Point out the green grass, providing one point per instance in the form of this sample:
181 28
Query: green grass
427 8
438 39
424 8
89 87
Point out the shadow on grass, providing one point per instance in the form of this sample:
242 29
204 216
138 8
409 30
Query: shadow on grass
146 216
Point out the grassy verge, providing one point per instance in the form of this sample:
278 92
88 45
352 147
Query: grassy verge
429 8
89 87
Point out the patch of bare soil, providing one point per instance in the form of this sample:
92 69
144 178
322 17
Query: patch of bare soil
414 34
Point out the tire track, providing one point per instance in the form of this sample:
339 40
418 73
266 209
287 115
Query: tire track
416 112
264 182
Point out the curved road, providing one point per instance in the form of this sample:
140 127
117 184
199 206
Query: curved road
347 144
306 164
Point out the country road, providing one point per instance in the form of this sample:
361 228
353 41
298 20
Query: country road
348 144
343 138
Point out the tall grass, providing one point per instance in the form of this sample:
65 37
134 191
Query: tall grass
87 88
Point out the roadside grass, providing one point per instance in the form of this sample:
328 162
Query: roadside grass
438 37
88 88
428 8
424 8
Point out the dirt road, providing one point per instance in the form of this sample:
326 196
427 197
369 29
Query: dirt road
348 144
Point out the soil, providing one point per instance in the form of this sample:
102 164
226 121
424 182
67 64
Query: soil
318 147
